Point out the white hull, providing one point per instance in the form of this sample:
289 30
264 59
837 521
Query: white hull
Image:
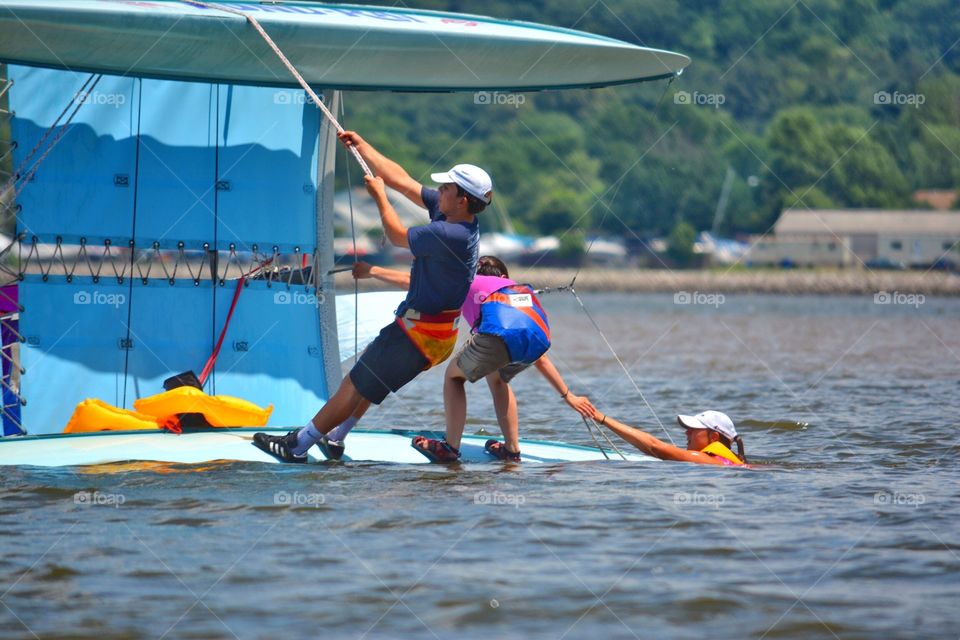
236 445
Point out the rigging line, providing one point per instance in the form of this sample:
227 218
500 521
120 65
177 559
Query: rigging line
620 362
595 441
133 235
293 70
665 89
570 288
25 180
607 438
353 236
82 91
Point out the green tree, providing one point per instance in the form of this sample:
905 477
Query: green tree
680 244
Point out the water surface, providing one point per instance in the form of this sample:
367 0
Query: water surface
850 531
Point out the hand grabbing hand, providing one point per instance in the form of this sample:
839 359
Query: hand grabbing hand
582 405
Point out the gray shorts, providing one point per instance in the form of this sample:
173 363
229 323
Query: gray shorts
483 354
390 362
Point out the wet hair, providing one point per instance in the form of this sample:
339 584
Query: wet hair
474 204
726 441
492 266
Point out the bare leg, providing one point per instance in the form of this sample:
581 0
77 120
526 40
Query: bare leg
454 403
340 433
361 408
505 404
344 403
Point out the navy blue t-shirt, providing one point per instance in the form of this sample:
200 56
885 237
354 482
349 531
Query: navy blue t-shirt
444 260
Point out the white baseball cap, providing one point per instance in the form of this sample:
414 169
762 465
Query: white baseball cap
470 178
714 420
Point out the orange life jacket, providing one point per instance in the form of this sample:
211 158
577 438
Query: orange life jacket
434 335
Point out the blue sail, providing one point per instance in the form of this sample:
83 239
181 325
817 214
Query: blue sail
135 228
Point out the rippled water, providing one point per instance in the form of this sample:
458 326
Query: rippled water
850 530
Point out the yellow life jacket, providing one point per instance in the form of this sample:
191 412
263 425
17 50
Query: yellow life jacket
160 411
219 411
96 415
434 335
720 450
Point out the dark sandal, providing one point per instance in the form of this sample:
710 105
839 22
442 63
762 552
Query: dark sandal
499 451
435 450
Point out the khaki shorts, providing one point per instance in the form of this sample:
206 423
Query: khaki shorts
483 354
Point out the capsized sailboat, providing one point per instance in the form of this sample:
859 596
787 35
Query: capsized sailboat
186 189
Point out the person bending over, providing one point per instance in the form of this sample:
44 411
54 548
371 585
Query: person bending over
510 333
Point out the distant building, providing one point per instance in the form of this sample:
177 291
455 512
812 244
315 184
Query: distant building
852 237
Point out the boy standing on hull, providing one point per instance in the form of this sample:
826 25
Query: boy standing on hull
425 331
510 333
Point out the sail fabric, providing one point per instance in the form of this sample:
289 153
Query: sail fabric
192 172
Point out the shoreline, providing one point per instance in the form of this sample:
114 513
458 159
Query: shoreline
792 282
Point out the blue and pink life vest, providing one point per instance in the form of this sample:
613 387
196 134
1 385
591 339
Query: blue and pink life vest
514 314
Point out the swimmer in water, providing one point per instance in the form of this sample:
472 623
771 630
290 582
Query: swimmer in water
709 437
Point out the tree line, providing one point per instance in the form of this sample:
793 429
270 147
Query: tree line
821 103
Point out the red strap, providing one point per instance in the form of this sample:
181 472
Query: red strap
208 368
171 424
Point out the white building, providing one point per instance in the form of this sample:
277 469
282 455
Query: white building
851 237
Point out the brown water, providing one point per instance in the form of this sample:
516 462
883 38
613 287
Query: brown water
850 531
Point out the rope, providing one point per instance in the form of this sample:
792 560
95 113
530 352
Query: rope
293 71
595 441
24 179
570 288
353 237
620 362
607 438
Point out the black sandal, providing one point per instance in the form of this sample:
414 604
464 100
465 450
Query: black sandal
499 451
435 450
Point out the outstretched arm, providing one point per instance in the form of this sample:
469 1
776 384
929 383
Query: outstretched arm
395 231
394 176
653 446
362 270
580 404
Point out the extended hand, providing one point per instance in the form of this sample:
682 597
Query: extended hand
361 270
582 405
